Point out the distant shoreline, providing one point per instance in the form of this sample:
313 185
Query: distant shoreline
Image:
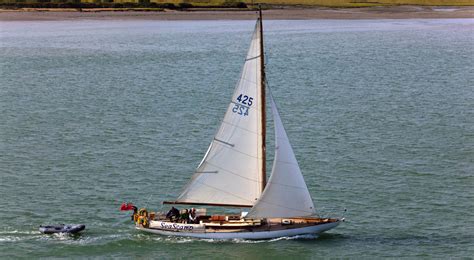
286 13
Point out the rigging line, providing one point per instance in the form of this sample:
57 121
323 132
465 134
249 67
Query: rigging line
224 191
287 138
248 80
285 162
148 201
287 185
270 91
290 163
239 127
233 173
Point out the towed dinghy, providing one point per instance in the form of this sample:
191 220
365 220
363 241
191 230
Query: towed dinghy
70 228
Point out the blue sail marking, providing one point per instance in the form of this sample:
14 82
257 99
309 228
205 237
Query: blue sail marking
242 106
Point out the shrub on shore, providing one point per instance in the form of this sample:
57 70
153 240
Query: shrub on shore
70 5
185 5
234 4
125 5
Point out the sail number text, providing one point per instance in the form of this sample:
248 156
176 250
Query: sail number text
245 103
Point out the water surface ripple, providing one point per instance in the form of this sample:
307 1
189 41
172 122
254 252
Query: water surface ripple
94 113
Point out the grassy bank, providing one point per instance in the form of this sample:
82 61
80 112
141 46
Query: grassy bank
159 5
360 3
126 6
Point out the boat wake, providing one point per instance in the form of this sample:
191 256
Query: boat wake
18 235
20 232
181 240
33 235
298 237
9 239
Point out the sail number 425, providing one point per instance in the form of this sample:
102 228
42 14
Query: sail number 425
244 99
245 103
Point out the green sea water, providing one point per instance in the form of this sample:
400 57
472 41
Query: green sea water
380 114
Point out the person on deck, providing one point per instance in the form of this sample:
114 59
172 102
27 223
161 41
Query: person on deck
185 216
173 214
192 216
135 210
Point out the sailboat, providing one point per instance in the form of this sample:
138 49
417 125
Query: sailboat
233 173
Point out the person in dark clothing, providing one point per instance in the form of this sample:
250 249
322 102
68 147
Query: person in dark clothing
135 209
185 216
173 214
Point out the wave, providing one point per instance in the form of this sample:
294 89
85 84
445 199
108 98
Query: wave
181 240
21 232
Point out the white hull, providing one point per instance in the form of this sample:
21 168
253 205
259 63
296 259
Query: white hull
246 235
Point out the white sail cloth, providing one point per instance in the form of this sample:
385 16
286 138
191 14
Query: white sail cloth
230 171
286 193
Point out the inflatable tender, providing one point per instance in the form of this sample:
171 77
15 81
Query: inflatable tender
70 228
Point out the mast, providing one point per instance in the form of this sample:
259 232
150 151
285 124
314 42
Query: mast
262 103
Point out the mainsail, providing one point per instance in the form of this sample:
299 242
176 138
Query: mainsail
230 173
286 193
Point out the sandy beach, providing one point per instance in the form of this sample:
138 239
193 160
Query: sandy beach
287 13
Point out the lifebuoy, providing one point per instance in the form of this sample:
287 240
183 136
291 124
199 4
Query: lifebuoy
142 217
143 212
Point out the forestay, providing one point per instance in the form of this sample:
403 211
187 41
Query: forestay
286 193
230 171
